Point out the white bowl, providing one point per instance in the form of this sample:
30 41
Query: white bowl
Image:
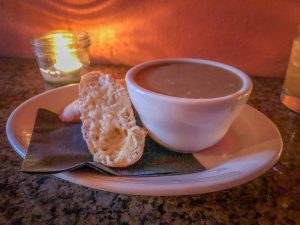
185 124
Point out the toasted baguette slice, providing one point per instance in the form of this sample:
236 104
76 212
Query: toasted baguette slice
108 124
71 113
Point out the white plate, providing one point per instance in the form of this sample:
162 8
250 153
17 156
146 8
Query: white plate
250 148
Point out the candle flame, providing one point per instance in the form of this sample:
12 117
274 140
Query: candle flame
66 58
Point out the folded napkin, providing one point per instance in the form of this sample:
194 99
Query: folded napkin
56 146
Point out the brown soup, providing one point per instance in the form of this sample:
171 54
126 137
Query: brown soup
189 80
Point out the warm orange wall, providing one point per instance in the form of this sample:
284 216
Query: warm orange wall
254 35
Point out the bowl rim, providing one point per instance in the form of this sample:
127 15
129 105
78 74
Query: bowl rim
244 91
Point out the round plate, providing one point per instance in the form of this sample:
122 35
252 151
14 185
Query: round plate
252 146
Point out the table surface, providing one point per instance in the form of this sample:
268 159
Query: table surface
44 199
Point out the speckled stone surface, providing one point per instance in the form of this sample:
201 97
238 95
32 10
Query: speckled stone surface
273 198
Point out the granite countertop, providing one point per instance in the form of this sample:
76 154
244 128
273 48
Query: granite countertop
44 199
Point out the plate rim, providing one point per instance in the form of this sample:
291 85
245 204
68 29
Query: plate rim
72 176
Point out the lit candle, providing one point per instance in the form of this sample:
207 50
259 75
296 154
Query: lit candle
62 56
66 60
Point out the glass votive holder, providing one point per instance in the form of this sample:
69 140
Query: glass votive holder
62 55
290 95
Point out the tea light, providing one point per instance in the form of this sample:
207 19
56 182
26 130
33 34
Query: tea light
62 55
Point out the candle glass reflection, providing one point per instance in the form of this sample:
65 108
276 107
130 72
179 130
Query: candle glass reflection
62 55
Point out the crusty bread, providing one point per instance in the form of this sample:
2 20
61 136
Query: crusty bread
71 113
108 124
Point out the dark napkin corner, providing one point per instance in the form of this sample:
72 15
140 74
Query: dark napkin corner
56 146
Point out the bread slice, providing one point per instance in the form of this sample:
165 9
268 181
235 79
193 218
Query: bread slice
108 124
71 113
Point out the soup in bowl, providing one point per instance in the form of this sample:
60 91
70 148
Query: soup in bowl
187 105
